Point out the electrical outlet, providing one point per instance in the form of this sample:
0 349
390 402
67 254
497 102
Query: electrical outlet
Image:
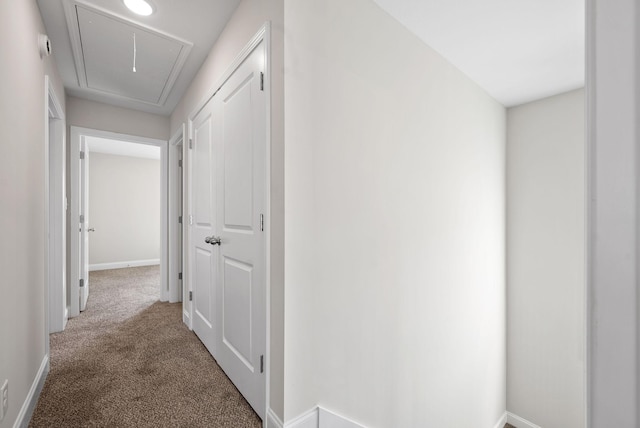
4 399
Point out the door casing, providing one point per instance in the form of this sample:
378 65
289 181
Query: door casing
262 36
176 210
55 218
78 135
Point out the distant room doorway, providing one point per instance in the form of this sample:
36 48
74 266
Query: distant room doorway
119 201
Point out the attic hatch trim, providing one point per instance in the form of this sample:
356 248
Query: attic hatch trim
73 26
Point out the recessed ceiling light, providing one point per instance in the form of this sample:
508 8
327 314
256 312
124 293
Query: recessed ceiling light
141 7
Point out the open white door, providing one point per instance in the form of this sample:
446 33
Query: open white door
84 225
203 256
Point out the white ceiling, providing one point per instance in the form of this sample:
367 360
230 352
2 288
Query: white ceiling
122 148
517 50
198 22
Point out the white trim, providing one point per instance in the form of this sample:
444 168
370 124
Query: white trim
502 421
77 136
121 265
54 214
308 419
265 32
186 318
175 209
519 422
329 419
272 420
590 132
589 181
319 417
29 405
260 36
74 220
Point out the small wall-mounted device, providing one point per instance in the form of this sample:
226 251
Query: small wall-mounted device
44 44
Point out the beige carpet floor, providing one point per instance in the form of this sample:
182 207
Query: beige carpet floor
129 361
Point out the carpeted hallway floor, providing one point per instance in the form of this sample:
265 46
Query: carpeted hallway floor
129 361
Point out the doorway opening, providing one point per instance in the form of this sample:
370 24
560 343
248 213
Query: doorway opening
119 208
123 190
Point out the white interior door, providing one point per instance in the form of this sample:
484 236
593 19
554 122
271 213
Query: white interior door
240 165
203 260
84 226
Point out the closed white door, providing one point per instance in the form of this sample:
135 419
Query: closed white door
84 226
204 255
240 165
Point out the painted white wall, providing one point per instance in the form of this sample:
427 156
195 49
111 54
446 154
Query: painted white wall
394 226
22 186
546 360
105 117
613 94
124 209
243 25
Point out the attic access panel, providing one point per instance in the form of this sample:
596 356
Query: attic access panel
103 50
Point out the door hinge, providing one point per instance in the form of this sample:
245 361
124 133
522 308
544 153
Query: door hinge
81 282
261 363
190 220
191 143
81 155
190 295
81 218
179 163
179 275
262 222
180 219
261 81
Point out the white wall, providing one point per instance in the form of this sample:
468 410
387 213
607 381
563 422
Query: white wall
124 209
243 25
394 226
105 117
546 285
22 167
613 94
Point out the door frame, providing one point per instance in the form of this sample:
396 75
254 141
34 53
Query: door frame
77 136
55 299
176 209
262 36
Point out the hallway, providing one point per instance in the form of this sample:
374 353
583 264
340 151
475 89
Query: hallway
129 361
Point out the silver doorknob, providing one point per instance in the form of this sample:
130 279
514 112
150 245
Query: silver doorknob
213 240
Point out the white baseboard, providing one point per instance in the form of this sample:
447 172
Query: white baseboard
519 422
29 405
329 419
126 264
306 420
502 421
272 420
186 318
65 318
320 417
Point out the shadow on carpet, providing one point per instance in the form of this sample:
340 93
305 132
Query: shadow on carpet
145 370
